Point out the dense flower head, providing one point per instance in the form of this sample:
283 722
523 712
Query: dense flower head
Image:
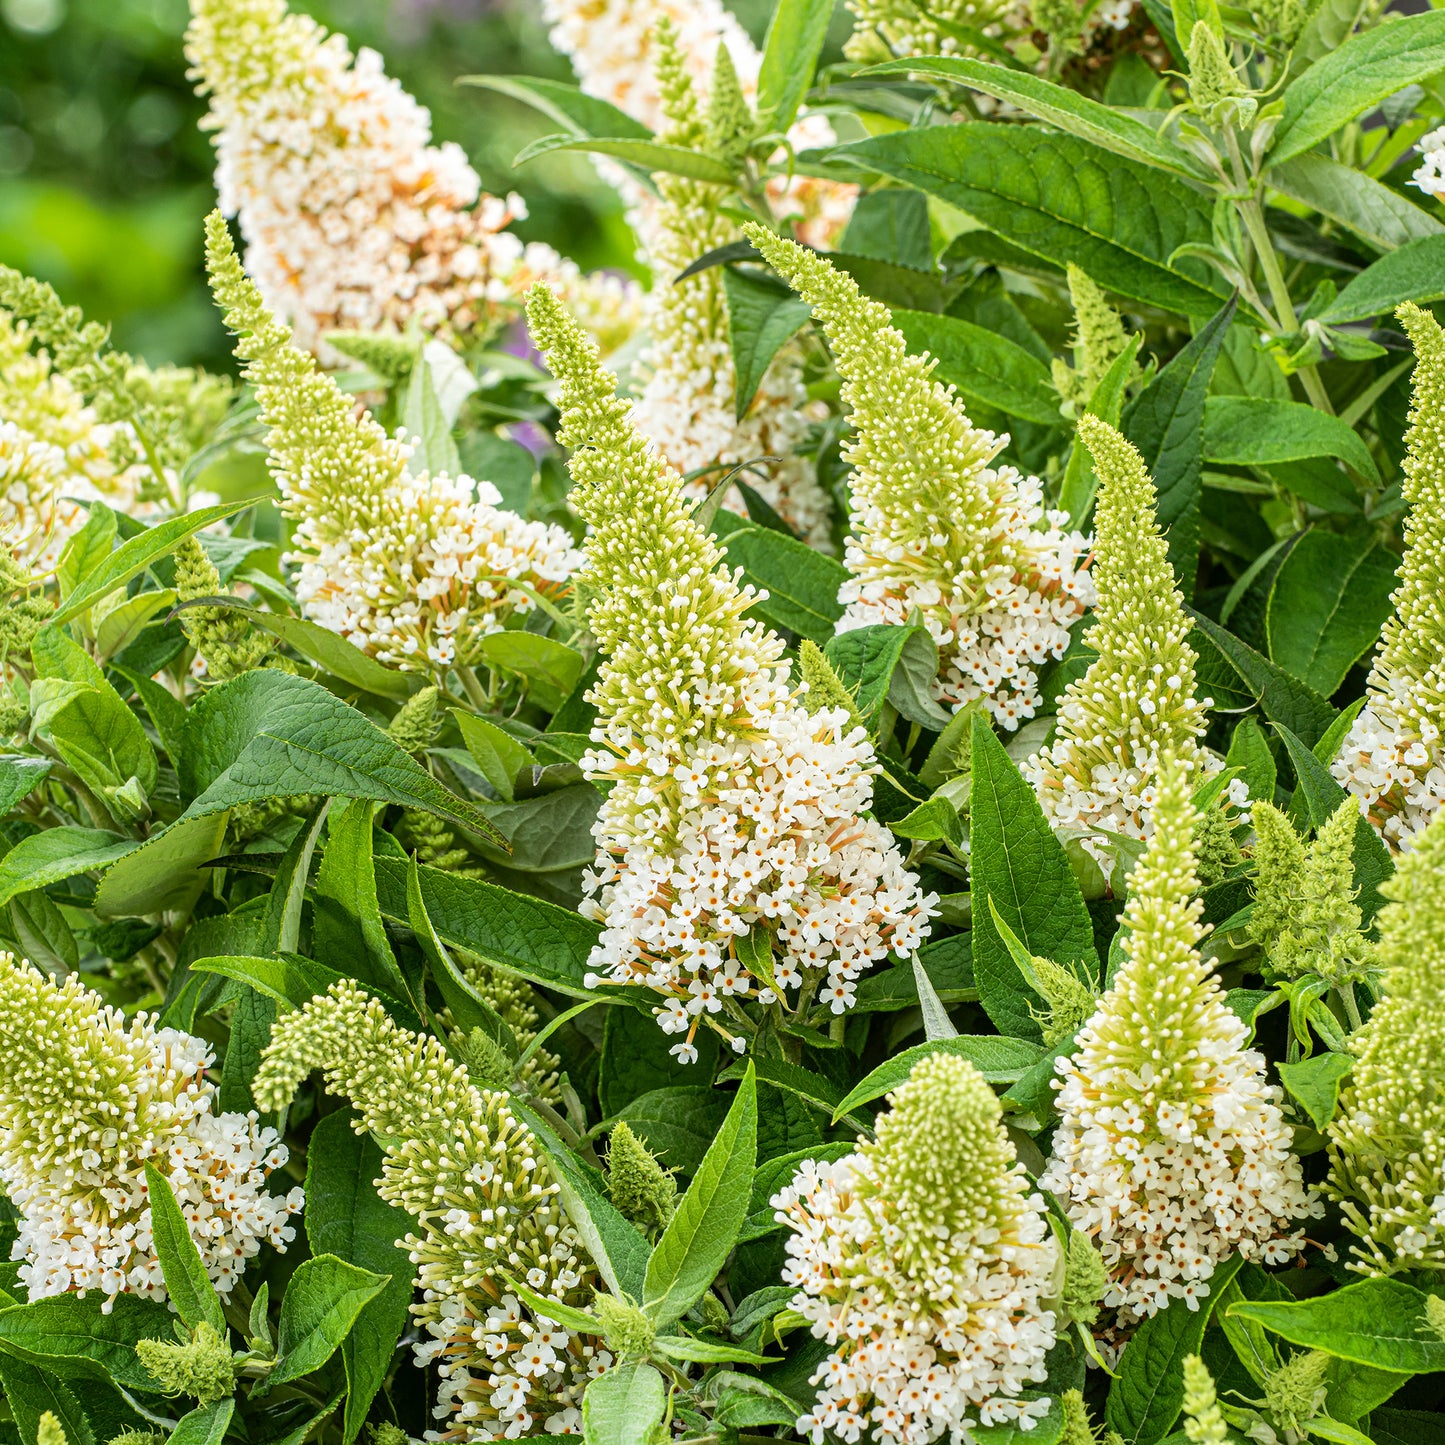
89 1098
610 45
1392 758
414 569
1171 1153
688 400
734 815
939 532
923 1259
470 1173
1387 1142
1136 700
353 219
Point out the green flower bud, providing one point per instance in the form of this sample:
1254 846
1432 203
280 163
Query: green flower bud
1203 1423
201 1367
49 1431
226 641
486 1060
417 722
825 688
1085 1279
627 1330
1296 1392
1215 89
637 1184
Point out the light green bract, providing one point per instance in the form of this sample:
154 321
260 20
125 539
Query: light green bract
923 1260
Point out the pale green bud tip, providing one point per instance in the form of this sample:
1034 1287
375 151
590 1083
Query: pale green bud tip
940 1153
825 688
137 1437
417 721
1212 79
487 1063
200 1368
50 1431
1296 1392
1203 1422
1215 847
637 1184
1435 1314
1078 1428
1085 1279
388 1434
196 574
1071 1000
627 1330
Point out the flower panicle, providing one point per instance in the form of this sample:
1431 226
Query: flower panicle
939 532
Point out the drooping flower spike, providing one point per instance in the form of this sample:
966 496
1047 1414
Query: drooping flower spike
414 569
1136 701
353 219
470 1174
735 825
1387 1141
937 530
87 1099
1393 758
923 1260
688 404
1171 1153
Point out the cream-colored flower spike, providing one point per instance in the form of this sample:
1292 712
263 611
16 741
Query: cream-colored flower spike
353 219
923 1259
1171 1153
415 570
610 45
1387 1142
87 1099
1136 701
688 401
735 827
938 531
1393 757
469 1172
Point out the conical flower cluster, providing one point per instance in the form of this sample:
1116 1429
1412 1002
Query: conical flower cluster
470 1174
688 402
734 828
353 219
938 532
1136 701
414 569
1387 1142
923 1259
1392 758
1171 1153
87 1099
55 452
610 45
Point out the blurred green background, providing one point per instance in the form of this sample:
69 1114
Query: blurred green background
105 178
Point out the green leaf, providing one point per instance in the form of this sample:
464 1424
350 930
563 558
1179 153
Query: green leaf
19 777
548 667
322 1302
1366 69
290 979
205 1425
187 1283
790 56
1379 216
1326 606
56 854
567 105
635 1058
1283 699
521 935
269 734
342 659
648 155
346 921
890 225
31 1392
1166 422
928 822
1249 753
869 661
252 1019
1061 199
87 549
1414 272
1377 1322
1021 866
127 619
1257 431
802 584
501 758
620 1252
987 368
1148 1391
165 872
73 1338
426 425
709 1215
167 712
1100 125
131 558
345 1217
772 1176
704 1352
625 1406
1000 1060
1315 1082
763 315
